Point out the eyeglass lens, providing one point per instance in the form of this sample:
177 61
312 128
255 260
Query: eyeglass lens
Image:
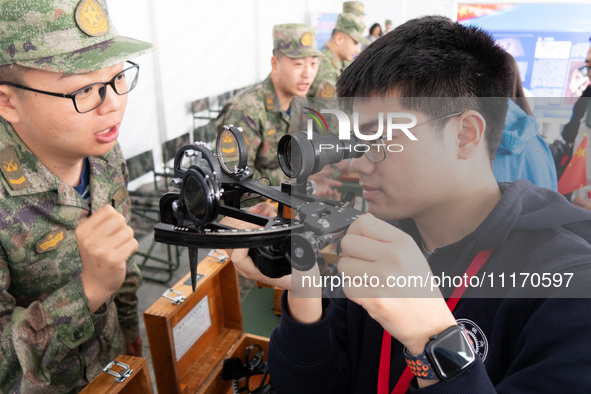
92 96
376 151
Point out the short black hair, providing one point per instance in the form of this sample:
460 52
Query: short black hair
433 56
12 73
278 54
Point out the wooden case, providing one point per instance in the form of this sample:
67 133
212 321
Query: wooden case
189 341
138 382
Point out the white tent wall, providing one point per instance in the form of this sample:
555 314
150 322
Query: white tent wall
205 48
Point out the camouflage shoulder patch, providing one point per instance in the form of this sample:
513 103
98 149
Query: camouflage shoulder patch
336 66
12 170
326 90
118 197
51 241
92 18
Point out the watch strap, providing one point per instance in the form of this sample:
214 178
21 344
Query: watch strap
419 365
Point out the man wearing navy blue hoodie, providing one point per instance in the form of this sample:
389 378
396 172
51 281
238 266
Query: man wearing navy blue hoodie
453 217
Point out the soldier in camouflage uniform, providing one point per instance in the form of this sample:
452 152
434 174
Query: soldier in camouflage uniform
338 52
356 8
68 286
263 111
388 26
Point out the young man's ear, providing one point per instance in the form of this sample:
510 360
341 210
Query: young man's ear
274 64
338 37
8 111
471 128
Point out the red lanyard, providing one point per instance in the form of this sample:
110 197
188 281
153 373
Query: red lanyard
404 381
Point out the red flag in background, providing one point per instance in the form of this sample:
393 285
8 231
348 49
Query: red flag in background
575 174
469 11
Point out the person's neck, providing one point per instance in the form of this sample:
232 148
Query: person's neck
284 99
68 169
68 172
448 223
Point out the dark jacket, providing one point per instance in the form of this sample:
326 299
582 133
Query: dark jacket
570 130
530 345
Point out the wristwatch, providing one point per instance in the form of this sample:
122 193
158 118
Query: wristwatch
445 356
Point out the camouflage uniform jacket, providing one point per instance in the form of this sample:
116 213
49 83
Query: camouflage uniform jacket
329 70
48 341
258 112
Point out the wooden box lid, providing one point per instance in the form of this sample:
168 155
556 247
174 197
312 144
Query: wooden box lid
188 341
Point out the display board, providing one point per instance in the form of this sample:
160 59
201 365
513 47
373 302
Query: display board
325 23
549 41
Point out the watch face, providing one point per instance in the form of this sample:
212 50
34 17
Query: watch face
450 353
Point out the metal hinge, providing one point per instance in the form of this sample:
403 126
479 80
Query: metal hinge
121 375
218 254
176 300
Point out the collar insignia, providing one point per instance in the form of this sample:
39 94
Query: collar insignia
12 169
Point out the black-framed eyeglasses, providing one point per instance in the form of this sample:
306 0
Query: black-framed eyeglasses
584 71
92 96
377 150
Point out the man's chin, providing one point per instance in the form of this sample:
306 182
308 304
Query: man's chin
382 213
300 93
103 149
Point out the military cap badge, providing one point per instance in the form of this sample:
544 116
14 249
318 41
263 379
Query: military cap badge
306 39
92 18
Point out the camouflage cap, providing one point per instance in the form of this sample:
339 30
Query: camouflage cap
295 40
352 25
353 7
388 21
66 36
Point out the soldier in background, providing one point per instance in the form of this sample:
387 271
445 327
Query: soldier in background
356 8
68 302
263 111
339 51
388 26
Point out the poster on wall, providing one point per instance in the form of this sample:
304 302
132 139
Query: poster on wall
325 23
549 43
